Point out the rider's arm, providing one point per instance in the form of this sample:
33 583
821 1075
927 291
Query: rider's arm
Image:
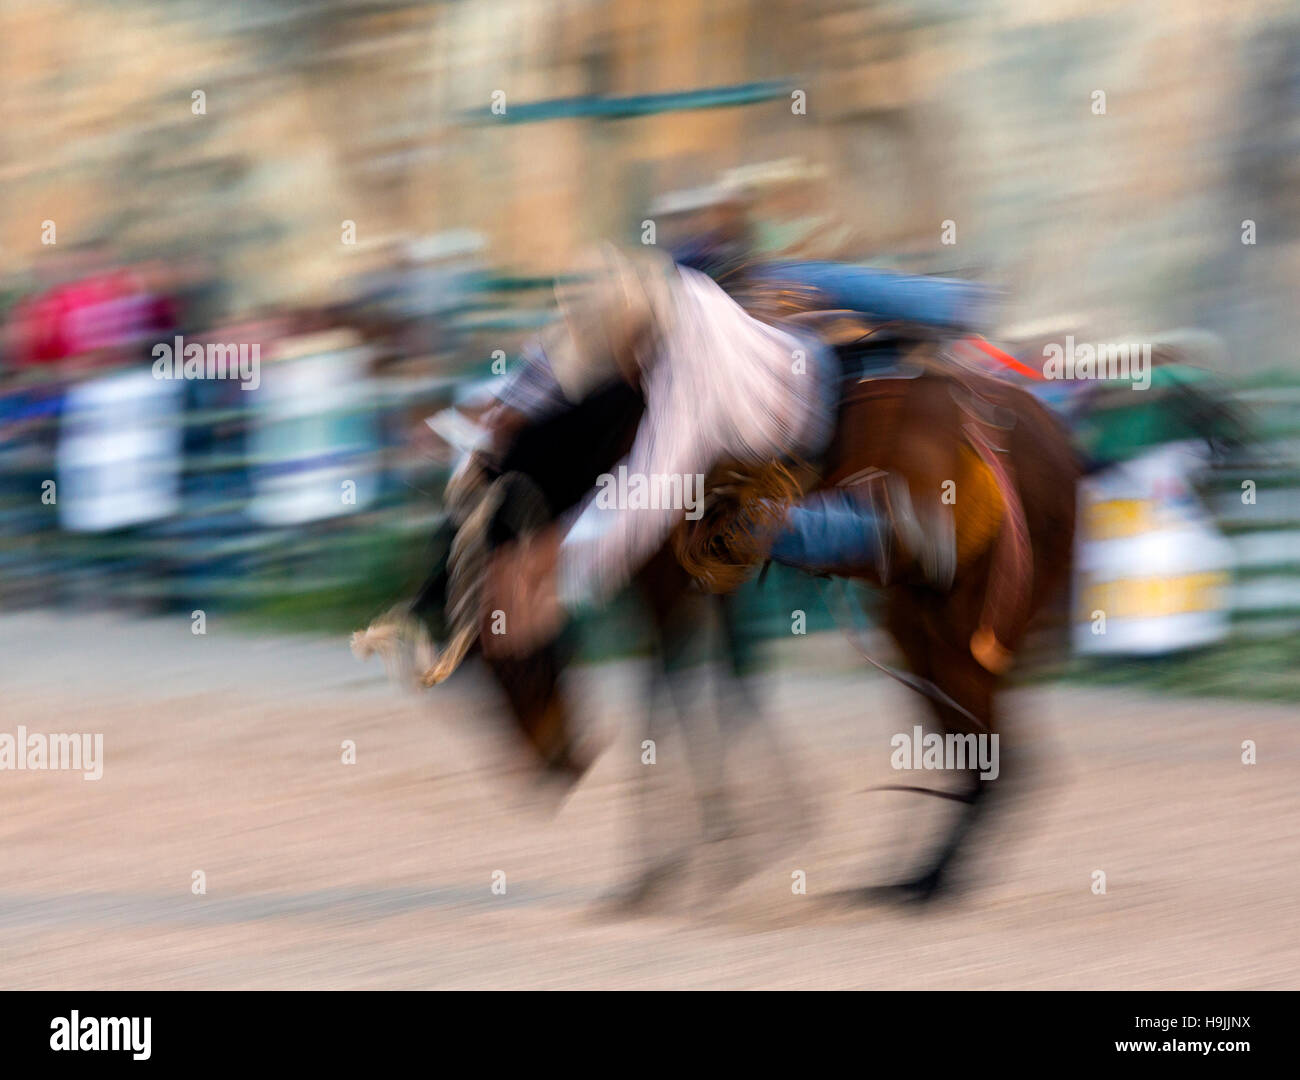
723 386
610 539
527 394
530 389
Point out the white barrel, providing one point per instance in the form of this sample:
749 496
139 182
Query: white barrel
1152 572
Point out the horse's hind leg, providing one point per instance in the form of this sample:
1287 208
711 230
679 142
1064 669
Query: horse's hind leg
917 620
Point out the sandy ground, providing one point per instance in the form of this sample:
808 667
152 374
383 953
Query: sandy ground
223 755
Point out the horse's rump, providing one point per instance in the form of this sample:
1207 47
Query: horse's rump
971 476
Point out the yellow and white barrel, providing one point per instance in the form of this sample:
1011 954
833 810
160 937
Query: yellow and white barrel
1152 573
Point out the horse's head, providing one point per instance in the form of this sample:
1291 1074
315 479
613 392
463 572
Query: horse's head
539 709
549 467
497 512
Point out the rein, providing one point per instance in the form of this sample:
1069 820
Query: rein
922 686
913 682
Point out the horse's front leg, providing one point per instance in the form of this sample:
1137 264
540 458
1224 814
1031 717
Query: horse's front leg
676 685
743 715
659 859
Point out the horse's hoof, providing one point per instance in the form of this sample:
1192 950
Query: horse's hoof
640 893
916 893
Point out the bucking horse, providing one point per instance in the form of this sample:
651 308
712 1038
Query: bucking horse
966 481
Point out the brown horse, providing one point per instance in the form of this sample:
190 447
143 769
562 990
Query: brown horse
1011 472
976 462
974 478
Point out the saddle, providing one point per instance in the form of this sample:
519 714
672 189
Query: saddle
746 504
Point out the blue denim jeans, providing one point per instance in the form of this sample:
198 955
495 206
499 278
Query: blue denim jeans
949 303
829 531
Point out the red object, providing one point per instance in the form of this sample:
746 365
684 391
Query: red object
1004 358
99 312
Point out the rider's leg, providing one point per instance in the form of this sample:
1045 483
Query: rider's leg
839 528
833 530
871 527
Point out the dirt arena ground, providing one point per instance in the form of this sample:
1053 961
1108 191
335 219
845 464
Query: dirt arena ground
222 754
